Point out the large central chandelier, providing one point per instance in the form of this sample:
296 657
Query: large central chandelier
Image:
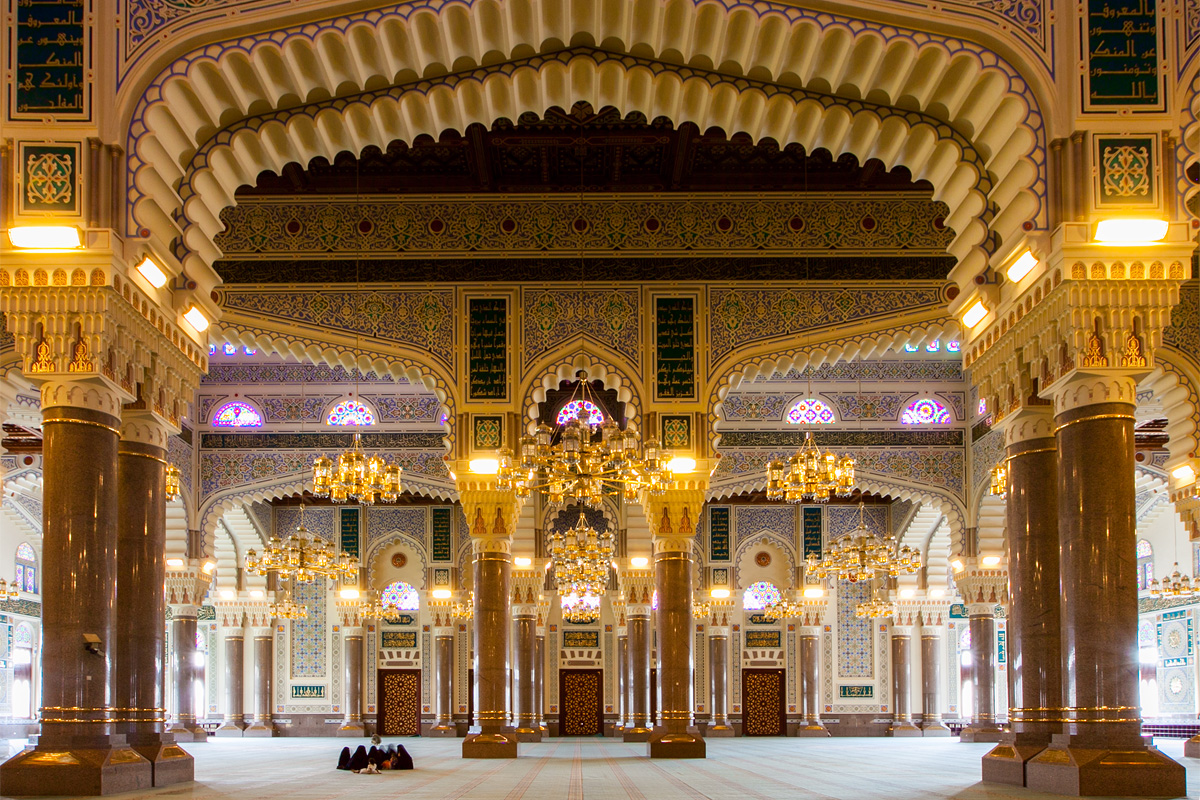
584 462
860 555
302 558
810 475
581 558
356 477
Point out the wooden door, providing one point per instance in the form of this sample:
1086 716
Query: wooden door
581 697
762 702
399 702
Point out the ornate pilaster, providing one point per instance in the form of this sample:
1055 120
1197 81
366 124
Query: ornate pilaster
982 590
526 589
933 615
262 633
637 590
812 616
492 517
185 590
354 642
902 724
673 517
539 664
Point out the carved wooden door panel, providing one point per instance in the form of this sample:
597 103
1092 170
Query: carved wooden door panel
399 702
762 702
581 696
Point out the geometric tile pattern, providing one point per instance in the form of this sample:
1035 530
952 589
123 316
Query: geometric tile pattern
309 636
856 654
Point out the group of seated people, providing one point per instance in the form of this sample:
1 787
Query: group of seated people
375 760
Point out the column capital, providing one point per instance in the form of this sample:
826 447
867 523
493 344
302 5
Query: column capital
934 612
143 426
637 590
720 614
347 613
813 611
908 614
93 393
441 614
674 515
1078 389
526 590
231 614
187 584
491 512
982 587
1027 423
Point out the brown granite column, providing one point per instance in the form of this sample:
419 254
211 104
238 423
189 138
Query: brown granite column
443 637
183 635
352 724
1100 749
81 428
1034 641
982 623
902 724
810 685
539 680
141 603
673 523
264 646
718 667
525 628
640 644
234 665
931 684
622 679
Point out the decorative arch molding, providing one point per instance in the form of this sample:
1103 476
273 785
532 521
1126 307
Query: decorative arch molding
799 354
545 376
1174 381
387 540
183 133
756 539
397 361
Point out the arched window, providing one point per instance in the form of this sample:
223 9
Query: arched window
925 410
588 411
350 412
759 595
810 412
1145 564
237 415
27 571
402 596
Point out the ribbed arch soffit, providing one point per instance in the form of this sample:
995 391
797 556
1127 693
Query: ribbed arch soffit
952 112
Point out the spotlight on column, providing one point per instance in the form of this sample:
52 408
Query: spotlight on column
350 593
937 593
152 272
1022 266
209 567
257 594
228 594
974 314
195 317
46 237
1126 231
719 594
1185 474
813 592
523 561
639 562
175 563
485 466
906 593
957 565
990 561
442 594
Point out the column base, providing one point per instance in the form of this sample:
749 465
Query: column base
719 731
528 735
1191 748
188 732
1063 768
169 763
812 729
1006 761
69 770
442 732
636 734
490 745
259 730
935 729
230 729
903 728
676 745
351 730
983 732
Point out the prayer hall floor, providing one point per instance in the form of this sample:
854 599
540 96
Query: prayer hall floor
604 769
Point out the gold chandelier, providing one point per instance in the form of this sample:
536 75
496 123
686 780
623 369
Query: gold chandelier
581 560
810 475
860 555
1174 585
302 558
371 608
783 609
288 608
466 609
999 486
172 483
356 477
9 592
583 466
875 608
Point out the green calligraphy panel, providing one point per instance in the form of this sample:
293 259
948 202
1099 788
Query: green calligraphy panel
487 336
442 525
675 342
51 60
1122 55
718 533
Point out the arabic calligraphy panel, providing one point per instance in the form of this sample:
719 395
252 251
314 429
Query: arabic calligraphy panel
52 56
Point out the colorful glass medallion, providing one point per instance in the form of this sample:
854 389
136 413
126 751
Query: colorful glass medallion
402 596
1144 550
588 411
350 412
761 594
924 411
25 552
810 412
237 415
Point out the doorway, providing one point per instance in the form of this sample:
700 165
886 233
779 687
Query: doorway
762 702
581 697
399 702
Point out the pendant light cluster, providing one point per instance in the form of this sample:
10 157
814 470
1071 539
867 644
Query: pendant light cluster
810 475
356 477
302 558
581 558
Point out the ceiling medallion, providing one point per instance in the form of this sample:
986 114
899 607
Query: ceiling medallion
810 475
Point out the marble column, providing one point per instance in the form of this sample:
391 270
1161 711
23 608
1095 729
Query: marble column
931 685
1034 640
235 717
183 635
640 644
539 681
352 724
443 726
81 429
982 623
141 604
525 625
673 525
810 685
264 644
622 681
718 667
902 724
1100 749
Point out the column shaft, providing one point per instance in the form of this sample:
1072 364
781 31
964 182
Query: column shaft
718 647
443 686
184 672
352 725
931 686
810 686
492 575
673 580
263 666
539 684
526 716
622 683
902 724
640 635
235 648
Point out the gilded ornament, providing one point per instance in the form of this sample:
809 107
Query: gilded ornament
43 362
81 362
1094 356
1133 356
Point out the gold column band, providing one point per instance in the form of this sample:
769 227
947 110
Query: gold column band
1129 417
54 421
141 455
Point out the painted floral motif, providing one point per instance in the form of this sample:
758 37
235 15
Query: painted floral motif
350 412
925 410
402 596
584 409
810 412
761 594
753 407
237 415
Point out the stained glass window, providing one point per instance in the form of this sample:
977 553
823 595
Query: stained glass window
982 406
212 349
249 351
810 412
933 346
910 348
31 580
350 412
586 409
25 552
237 415
229 349
964 642
19 581
759 595
1144 550
654 600
952 346
401 595
23 636
925 410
